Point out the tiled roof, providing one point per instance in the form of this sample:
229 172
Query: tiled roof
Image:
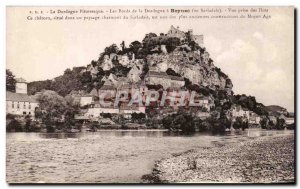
94 92
18 97
155 73
164 75
107 87
176 78
20 80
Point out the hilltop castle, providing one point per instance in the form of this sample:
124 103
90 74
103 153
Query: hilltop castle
176 32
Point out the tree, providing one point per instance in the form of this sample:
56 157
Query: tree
149 35
111 49
106 115
183 122
137 117
10 81
224 121
14 126
172 43
52 108
72 108
120 70
280 124
135 46
238 124
28 122
167 122
263 123
170 71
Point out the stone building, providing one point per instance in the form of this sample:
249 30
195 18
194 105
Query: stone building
96 109
20 103
85 99
197 38
134 73
254 118
162 78
239 111
176 32
107 62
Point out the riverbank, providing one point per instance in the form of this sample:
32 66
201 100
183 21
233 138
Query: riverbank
268 159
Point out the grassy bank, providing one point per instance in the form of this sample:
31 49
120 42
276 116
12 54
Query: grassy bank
268 159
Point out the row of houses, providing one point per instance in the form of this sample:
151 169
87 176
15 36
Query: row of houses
112 85
239 111
253 118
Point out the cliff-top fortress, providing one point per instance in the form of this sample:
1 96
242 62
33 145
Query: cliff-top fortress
176 32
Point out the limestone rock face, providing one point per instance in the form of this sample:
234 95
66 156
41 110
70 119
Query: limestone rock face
195 66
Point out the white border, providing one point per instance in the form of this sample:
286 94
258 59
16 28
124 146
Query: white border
5 3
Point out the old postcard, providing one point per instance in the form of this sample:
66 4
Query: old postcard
150 95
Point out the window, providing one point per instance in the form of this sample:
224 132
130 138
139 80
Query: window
29 106
24 106
12 104
18 105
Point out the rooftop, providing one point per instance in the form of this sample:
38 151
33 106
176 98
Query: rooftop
20 80
17 97
107 87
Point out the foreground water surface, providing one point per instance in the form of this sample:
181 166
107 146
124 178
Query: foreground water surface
104 156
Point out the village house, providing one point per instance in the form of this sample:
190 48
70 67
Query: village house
254 118
96 109
202 115
173 97
108 89
86 99
93 70
126 110
19 103
162 78
288 119
141 88
134 73
107 62
204 101
239 111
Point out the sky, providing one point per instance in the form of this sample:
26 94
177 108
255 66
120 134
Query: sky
257 54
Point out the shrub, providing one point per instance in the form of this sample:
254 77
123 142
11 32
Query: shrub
240 124
290 126
14 126
183 122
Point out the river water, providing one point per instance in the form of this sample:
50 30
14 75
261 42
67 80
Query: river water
104 156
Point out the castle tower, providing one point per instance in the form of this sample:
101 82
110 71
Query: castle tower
21 86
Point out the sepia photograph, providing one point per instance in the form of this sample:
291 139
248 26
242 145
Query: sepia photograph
150 95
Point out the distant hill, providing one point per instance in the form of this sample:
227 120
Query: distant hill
275 108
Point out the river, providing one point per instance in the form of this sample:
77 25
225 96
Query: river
104 156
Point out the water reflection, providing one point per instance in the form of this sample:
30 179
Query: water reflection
140 133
